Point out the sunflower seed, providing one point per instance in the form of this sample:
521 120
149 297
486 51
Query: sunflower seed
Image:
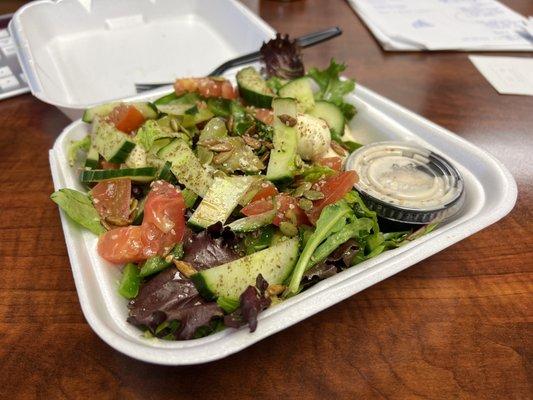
304 187
274 290
253 143
222 157
288 120
313 195
337 148
185 268
292 216
117 221
174 125
221 147
251 130
264 157
268 144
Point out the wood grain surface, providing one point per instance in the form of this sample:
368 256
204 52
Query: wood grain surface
455 326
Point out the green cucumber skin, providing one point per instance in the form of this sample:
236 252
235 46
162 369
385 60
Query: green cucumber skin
252 223
148 110
231 279
122 154
166 99
330 113
253 88
93 158
186 167
201 286
136 174
212 209
281 166
114 145
300 89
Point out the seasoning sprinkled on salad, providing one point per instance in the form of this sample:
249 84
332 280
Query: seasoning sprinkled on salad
222 201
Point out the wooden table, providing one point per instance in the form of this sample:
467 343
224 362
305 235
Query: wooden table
457 325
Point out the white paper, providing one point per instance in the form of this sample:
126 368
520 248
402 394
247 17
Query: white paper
508 75
445 25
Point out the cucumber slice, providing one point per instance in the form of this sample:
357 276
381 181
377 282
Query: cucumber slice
145 174
166 174
177 105
186 167
101 111
114 145
166 99
330 113
220 200
148 110
93 158
253 88
137 158
299 89
219 107
231 279
195 116
253 222
281 166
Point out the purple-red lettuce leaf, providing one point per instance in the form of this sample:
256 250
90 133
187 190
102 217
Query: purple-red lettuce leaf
282 58
252 302
171 297
211 247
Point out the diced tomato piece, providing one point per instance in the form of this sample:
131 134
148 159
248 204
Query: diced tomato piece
227 91
335 163
164 207
126 118
258 207
267 191
288 205
206 87
121 245
265 115
112 200
164 222
163 226
334 189
156 242
186 85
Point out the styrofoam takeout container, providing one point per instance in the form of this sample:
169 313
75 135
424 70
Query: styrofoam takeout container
78 53
490 194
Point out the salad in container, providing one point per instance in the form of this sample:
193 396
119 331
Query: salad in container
220 201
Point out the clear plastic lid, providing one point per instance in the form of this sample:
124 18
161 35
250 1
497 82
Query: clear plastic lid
404 182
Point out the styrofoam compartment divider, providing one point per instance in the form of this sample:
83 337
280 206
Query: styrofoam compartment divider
490 194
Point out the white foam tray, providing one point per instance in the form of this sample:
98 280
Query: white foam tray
78 53
490 194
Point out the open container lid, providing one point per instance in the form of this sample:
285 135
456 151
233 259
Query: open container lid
78 53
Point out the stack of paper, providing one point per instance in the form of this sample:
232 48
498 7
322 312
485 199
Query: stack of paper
484 25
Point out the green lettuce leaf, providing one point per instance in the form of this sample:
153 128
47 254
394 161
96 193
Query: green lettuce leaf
332 219
332 88
149 133
79 208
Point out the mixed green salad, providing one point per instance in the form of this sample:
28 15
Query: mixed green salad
220 201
